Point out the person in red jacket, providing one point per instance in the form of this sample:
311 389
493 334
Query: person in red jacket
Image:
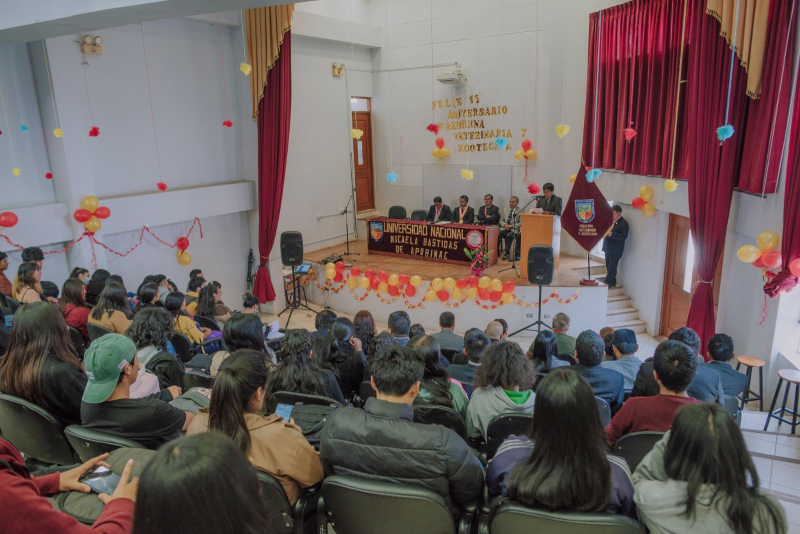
73 306
24 509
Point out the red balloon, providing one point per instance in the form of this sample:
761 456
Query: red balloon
8 219
772 259
404 279
338 278
758 264
383 276
82 215
340 266
102 212
443 295
637 203
472 281
370 274
484 293
794 267
461 283
526 145
439 142
495 296
508 286
393 291
355 271
410 290
183 243
374 283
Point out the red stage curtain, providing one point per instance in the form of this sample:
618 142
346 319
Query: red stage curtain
274 115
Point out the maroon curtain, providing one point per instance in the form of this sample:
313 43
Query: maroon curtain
711 164
274 116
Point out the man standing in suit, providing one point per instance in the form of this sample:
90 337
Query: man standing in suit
550 203
614 245
509 227
720 352
606 383
463 214
439 211
489 214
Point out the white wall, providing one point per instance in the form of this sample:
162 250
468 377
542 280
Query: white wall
350 10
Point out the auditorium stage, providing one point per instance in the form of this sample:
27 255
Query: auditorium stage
571 268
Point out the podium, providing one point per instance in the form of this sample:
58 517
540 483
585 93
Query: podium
539 230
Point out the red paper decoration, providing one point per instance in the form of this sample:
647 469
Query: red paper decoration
534 189
161 186
227 124
48 175
434 128
94 132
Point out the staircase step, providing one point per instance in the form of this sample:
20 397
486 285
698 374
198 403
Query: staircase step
621 314
616 291
618 301
637 325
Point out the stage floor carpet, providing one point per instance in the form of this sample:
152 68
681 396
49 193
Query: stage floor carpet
572 269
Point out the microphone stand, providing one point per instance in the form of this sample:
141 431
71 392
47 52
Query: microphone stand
344 212
514 241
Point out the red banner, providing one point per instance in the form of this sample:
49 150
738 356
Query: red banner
587 215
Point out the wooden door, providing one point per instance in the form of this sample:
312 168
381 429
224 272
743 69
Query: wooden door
679 286
362 162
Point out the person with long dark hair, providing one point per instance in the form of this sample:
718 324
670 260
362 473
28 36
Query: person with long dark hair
377 343
5 283
243 331
436 388
340 351
298 374
80 273
27 286
96 285
273 445
175 304
502 385
150 331
701 478
112 311
210 305
147 297
542 473
545 353
364 326
72 305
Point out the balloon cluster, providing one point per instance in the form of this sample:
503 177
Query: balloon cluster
90 214
764 256
642 202
440 151
8 219
527 152
184 258
472 287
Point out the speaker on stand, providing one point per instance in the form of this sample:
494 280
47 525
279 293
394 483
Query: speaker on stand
541 264
292 255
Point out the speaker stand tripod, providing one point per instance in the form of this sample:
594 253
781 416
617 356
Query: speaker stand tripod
295 301
538 323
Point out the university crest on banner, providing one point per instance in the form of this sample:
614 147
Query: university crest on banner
376 231
587 215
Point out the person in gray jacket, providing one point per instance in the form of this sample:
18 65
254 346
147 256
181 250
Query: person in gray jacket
382 443
700 478
446 338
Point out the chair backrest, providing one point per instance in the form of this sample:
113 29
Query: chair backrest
197 379
513 517
605 411
78 341
634 447
182 346
205 322
431 414
731 406
12 304
397 212
91 443
279 515
34 431
96 331
450 354
418 215
503 426
357 506
288 397
565 357
365 391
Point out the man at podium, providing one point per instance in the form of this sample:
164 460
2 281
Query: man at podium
550 203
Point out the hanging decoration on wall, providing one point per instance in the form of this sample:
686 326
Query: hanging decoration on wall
629 133
726 131
161 185
670 185
440 152
563 128
94 131
47 174
8 220
501 142
765 255
184 258
227 122
245 67
22 128
57 131
355 133
593 175
572 178
527 153
642 202
90 214
433 128
534 189
467 174
15 171
391 176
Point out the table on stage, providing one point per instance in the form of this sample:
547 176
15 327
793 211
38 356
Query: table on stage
435 242
539 230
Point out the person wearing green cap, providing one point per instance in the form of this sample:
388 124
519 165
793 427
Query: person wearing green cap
112 366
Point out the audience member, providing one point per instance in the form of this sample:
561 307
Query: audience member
475 344
147 295
625 362
210 305
674 367
378 343
720 353
545 353
196 272
72 306
495 331
115 278
96 285
502 385
175 304
112 367
243 331
81 274
381 442
24 509
199 484
150 331
340 351
607 384
298 374
322 322
707 383
605 331
112 311
436 388
607 337
249 303
364 329
701 478
163 287
416 330
273 445
5 283
504 324
540 472
566 344
27 287
193 293
446 338
49 291
400 327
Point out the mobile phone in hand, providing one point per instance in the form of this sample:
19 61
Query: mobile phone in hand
101 480
285 411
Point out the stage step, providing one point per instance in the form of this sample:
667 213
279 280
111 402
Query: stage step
621 314
618 301
637 325
616 291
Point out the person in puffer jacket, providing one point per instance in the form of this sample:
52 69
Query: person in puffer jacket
382 443
502 386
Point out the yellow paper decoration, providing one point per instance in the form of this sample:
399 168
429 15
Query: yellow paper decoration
58 132
670 185
246 68
562 130
467 175
355 133
16 171
572 178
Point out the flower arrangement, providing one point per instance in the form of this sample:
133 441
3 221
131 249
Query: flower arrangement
480 259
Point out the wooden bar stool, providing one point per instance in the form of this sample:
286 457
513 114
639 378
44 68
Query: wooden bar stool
748 394
791 376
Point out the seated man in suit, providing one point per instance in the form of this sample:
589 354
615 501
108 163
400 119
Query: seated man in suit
606 383
438 211
720 352
707 383
463 214
383 443
475 344
550 203
322 322
489 214
509 227
446 338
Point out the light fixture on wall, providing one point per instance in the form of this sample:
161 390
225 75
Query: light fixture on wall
338 70
92 45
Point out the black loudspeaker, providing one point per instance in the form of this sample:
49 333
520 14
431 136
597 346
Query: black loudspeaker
292 248
540 265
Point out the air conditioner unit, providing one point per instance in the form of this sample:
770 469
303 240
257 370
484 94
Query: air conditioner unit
453 77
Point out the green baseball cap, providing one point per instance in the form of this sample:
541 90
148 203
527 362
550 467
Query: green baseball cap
105 359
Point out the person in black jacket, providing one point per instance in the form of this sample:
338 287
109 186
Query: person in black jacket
463 214
382 442
607 384
439 211
150 331
614 245
550 203
489 214
720 350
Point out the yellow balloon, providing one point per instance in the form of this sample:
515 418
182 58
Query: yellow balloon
646 193
352 282
330 266
93 224
445 152
430 295
648 210
436 152
416 281
519 154
749 253
90 203
383 287
449 283
457 293
508 298
394 279
363 282
484 282
184 258
768 241
472 293
496 285
437 284
530 154
330 275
